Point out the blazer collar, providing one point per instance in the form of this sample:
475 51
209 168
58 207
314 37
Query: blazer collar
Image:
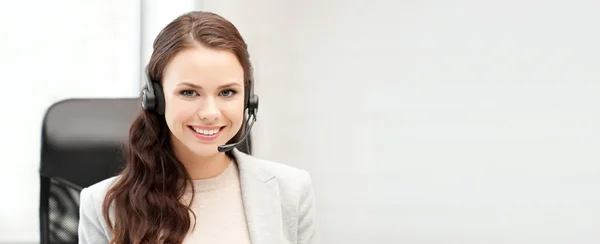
261 199
250 168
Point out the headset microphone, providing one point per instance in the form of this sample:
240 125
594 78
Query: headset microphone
229 147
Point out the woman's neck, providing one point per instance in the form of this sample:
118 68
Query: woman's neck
200 167
204 168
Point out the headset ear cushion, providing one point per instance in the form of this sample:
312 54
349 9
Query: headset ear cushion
247 94
253 104
159 103
148 100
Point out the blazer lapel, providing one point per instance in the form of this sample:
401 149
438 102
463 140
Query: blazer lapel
261 200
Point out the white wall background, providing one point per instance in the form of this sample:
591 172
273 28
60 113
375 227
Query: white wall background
433 121
420 121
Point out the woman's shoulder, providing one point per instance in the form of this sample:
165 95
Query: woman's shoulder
280 170
293 182
296 194
285 171
98 191
92 228
92 197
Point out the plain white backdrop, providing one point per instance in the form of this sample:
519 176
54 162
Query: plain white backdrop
420 121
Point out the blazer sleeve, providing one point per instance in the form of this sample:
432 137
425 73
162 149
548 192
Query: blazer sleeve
307 224
90 229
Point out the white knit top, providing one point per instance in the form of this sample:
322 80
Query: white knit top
219 210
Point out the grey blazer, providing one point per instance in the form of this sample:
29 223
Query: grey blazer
278 200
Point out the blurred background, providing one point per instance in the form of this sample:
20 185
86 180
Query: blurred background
435 121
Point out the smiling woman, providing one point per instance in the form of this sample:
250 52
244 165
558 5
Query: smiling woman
180 184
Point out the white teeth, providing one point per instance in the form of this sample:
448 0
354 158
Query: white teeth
206 132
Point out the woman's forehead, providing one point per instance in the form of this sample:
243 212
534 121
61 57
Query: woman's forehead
204 67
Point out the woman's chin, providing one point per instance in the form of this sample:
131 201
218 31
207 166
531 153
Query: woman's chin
205 150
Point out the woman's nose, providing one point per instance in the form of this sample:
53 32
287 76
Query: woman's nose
209 111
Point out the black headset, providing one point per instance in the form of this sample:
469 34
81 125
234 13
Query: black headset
153 100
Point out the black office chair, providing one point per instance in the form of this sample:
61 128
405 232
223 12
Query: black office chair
82 144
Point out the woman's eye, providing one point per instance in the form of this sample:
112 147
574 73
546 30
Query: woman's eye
228 93
187 93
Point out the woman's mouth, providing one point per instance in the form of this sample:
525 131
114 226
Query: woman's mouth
206 133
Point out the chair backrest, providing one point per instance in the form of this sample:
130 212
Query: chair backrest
82 144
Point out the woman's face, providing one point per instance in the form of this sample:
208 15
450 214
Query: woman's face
204 99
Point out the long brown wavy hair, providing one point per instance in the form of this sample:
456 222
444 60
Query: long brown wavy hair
145 201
